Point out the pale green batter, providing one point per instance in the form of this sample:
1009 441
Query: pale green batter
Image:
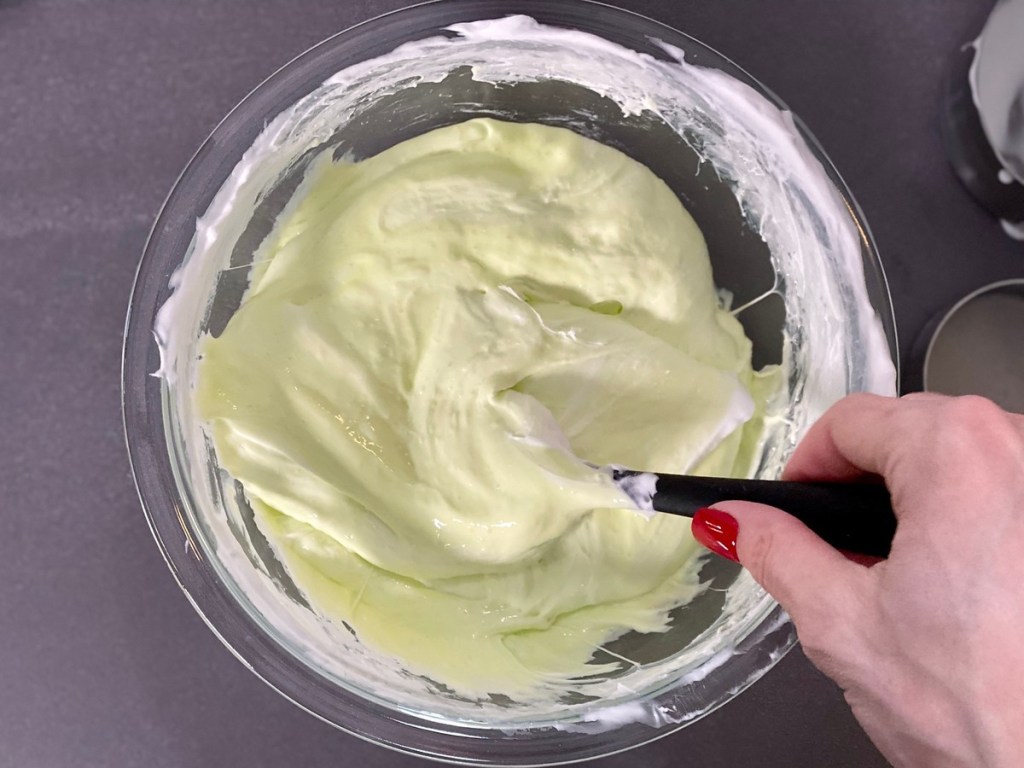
431 338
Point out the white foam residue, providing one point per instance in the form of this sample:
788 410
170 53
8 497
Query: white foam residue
640 487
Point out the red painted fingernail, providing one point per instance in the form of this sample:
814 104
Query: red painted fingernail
717 531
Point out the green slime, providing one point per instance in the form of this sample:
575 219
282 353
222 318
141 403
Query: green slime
434 344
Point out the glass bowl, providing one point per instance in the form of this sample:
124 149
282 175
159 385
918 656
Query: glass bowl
790 252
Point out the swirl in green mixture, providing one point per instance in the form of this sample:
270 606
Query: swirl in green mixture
434 343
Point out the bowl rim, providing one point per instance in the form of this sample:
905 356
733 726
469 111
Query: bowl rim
148 446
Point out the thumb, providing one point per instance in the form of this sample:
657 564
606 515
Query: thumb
812 581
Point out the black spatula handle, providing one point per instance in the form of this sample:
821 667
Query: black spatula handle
855 517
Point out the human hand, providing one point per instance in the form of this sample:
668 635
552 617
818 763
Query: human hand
927 645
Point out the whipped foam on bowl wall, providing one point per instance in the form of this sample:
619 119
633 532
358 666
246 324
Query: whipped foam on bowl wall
833 341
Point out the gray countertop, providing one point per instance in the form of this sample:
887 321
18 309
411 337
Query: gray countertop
102 661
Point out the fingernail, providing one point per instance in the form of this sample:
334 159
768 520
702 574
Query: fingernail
717 531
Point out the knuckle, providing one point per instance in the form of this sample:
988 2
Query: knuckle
944 432
974 409
970 421
758 559
754 556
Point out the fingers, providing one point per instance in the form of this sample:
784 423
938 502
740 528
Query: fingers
815 583
919 444
860 435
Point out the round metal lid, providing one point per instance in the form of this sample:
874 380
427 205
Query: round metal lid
978 347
